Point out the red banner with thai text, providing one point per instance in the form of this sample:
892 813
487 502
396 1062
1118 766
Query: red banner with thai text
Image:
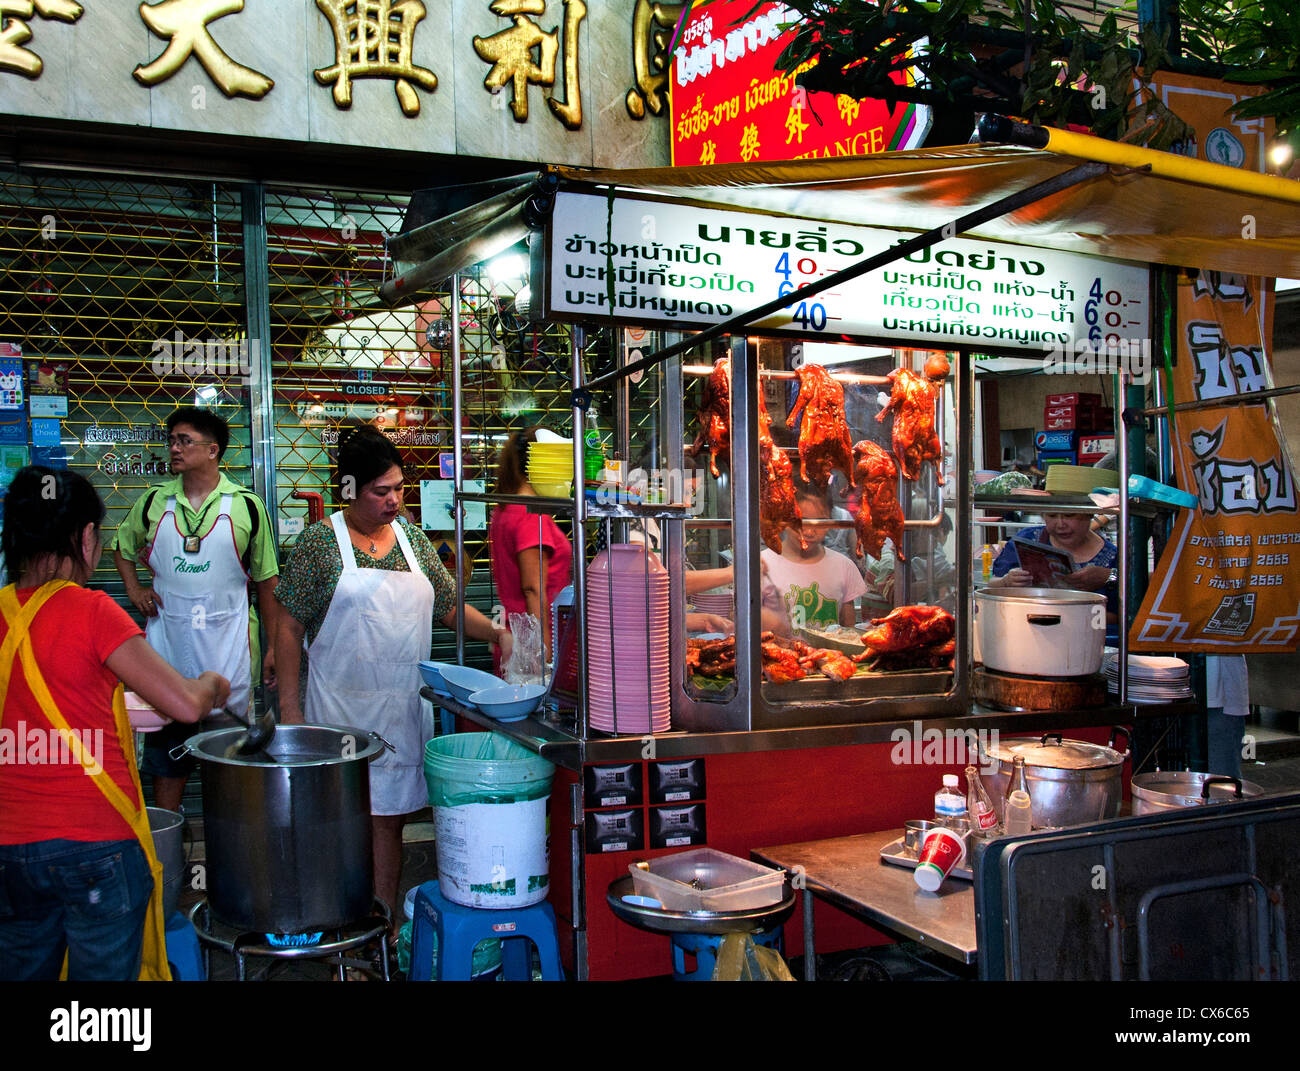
729 104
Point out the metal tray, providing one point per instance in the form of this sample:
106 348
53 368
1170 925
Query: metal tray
893 853
866 685
659 920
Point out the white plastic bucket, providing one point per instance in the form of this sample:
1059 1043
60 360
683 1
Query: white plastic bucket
490 798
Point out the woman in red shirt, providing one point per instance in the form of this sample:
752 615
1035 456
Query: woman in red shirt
526 546
75 858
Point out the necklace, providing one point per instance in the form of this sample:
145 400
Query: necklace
192 539
373 548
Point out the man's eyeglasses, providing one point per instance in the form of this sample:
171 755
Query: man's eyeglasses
185 442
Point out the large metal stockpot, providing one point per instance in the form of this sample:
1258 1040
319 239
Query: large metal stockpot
1041 632
288 843
1169 789
1071 782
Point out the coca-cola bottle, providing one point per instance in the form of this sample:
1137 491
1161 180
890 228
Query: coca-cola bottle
979 806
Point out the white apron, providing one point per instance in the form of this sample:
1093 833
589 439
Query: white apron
364 668
202 623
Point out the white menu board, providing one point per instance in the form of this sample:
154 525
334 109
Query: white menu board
691 267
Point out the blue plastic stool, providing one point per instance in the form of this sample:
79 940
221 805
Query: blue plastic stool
183 953
705 949
460 929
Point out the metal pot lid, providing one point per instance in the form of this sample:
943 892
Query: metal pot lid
1188 785
1041 596
1054 753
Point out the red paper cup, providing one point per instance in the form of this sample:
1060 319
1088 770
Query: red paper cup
941 850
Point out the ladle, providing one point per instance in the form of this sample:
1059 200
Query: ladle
255 739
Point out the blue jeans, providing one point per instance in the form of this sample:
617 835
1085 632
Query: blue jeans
88 897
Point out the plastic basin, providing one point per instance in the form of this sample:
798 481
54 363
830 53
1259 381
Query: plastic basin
463 682
431 674
509 702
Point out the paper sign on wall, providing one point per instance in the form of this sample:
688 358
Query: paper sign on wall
436 506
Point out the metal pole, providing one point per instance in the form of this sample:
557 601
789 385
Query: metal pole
580 537
964 223
1252 397
1122 461
458 481
257 306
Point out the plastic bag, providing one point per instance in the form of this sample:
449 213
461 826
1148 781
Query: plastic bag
741 960
524 666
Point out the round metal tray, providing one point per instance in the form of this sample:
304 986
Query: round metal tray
659 920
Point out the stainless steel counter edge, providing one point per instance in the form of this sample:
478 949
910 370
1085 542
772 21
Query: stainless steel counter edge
566 750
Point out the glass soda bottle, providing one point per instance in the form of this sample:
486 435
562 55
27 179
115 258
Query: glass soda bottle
979 806
950 805
593 456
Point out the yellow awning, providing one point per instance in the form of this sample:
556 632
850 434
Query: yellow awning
1150 207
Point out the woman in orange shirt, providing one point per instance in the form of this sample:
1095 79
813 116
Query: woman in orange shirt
74 860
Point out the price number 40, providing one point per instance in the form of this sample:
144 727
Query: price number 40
811 316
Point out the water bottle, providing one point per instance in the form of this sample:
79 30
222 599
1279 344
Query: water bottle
950 805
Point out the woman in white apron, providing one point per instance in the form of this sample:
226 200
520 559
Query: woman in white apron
364 590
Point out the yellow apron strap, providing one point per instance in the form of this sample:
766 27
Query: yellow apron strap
153 964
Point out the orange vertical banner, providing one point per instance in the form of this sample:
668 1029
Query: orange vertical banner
1229 579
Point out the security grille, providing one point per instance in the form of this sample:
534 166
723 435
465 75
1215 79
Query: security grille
133 290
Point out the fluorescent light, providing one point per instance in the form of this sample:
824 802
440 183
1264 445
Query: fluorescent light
506 267
827 353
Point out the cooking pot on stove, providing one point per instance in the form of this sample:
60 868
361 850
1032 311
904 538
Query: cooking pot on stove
1071 782
1166 789
288 841
1041 632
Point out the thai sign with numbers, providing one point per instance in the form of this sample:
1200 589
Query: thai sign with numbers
661 263
562 81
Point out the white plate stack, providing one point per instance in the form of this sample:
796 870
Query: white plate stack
1151 678
627 641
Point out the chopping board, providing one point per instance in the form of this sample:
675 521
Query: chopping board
1003 691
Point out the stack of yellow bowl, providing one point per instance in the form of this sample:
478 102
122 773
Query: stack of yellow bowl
1078 479
550 468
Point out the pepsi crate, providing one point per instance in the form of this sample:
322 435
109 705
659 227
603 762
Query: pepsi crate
1055 440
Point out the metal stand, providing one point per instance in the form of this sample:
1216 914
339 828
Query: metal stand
244 944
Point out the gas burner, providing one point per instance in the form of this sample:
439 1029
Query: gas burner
312 944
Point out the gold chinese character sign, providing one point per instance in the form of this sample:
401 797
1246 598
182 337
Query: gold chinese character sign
14 31
651 25
184 25
373 39
510 51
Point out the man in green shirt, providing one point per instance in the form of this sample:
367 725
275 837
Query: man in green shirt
203 538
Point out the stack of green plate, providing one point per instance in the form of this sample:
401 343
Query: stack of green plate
1078 479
